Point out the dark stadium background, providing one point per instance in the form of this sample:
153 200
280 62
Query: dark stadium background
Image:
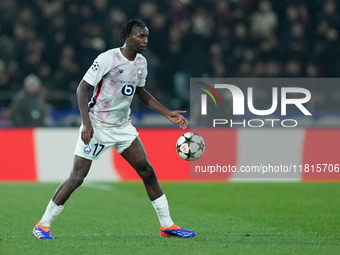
58 40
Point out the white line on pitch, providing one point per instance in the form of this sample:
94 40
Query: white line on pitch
97 185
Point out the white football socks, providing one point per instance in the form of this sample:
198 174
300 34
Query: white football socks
162 209
160 204
51 212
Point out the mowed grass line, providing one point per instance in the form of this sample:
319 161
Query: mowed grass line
229 218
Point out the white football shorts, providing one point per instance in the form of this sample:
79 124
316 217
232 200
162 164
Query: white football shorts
120 138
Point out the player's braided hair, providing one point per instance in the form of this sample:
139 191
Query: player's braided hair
127 28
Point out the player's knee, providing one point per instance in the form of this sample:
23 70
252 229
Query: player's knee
76 178
146 172
75 182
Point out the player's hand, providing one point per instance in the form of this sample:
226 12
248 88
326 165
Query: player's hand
87 133
177 118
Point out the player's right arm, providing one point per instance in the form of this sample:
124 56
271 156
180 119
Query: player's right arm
82 97
94 74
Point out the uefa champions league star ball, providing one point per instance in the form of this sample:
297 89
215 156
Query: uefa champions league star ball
190 146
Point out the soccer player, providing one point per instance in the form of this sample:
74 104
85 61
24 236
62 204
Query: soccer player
116 76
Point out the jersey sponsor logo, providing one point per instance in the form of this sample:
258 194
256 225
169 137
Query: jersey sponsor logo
128 90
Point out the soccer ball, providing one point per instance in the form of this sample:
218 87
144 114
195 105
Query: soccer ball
190 146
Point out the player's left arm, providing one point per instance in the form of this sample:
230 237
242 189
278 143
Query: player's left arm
175 117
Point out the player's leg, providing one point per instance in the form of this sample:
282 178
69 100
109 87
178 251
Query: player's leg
81 167
136 156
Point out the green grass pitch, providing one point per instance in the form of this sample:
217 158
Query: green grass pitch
229 218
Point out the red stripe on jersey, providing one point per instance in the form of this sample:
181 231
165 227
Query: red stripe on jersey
99 89
94 98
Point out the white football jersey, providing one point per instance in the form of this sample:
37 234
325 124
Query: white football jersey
115 79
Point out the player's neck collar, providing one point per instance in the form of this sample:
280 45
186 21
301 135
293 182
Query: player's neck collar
121 52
